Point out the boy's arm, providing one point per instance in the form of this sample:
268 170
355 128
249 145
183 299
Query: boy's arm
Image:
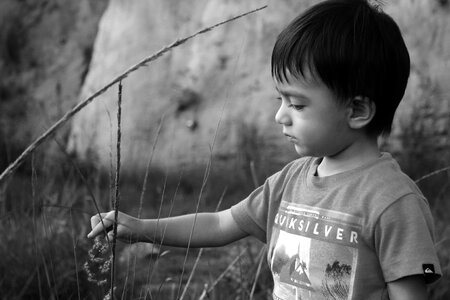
211 229
408 288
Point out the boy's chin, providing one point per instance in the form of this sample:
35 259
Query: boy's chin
301 151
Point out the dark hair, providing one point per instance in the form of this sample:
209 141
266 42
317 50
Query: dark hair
354 48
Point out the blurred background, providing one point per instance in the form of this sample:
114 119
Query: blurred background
204 110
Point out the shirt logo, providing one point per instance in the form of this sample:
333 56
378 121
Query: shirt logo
428 269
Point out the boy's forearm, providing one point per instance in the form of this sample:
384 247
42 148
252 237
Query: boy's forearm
176 231
408 288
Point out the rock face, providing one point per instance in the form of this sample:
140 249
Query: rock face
220 81
421 136
45 50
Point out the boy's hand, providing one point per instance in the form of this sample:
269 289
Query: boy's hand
128 229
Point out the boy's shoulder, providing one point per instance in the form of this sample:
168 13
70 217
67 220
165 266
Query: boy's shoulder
384 184
388 178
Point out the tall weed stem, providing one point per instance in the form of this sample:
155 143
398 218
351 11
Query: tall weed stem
117 191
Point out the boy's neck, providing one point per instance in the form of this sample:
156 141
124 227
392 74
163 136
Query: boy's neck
356 154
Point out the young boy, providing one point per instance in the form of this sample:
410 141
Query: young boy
343 221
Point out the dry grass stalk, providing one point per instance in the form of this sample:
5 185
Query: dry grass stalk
46 226
117 190
202 189
254 174
31 148
158 218
141 203
147 169
432 174
151 269
111 167
124 291
35 242
258 271
200 253
74 246
27 284
86 184
218 279
205 180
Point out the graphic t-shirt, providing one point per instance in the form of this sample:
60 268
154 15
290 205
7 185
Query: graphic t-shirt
341 236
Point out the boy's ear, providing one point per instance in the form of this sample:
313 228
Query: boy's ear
362 110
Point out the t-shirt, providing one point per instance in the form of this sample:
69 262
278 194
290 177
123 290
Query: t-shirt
341 236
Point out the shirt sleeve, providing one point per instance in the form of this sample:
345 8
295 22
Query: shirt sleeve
254 213
404 239
249 213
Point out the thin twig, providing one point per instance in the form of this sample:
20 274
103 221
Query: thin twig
127 276
147 169
254 174
111 168
158 218
172 202
230 266
258 271
74 246
117 194
27 284
47 276
205 179
51 255
86 184
31 148
432 174
200 196
200 253
34 229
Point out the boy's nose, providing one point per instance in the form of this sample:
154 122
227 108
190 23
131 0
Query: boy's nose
282 115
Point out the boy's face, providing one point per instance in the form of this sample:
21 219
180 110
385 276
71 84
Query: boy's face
312 118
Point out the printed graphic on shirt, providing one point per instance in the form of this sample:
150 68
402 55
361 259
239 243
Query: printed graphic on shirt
315 253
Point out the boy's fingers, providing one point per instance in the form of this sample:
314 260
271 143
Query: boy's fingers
99 228
95 219
97 225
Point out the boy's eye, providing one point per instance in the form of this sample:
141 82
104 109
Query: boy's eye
296 107
290 105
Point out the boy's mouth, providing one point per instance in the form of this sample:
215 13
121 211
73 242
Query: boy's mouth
290 137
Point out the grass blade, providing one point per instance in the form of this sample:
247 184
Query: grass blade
86 184
147 169
35 244
220 277
74 245
432 174
258 271
200 253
